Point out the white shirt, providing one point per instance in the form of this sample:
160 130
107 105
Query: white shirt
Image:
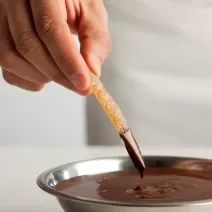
159 71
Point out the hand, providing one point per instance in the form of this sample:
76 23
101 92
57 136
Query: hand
37 47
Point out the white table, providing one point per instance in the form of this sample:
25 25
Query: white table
21 166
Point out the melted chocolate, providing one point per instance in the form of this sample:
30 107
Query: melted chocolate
158 185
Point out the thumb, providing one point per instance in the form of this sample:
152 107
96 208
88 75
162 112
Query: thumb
94 35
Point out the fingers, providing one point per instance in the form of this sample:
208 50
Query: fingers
12 61
28 44
44 48
51 26
20 82
14 80
94 34
30 48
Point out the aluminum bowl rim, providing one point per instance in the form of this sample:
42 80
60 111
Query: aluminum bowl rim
50 190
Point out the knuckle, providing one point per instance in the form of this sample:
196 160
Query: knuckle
101 36
60 59
104 39
46 26
57 77
26 43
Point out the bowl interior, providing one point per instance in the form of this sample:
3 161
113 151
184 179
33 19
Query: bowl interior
51 178
103 165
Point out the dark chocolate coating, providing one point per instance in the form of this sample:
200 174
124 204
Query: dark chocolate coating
133 151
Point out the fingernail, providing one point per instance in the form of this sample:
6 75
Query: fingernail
79 81
96 65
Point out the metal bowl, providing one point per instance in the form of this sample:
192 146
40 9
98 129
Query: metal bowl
50 178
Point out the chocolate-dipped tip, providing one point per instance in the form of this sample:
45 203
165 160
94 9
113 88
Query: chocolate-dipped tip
133 151
138 163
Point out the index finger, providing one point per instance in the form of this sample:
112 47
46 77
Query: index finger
52 28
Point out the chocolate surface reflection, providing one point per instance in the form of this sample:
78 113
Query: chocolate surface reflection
158 185
200 165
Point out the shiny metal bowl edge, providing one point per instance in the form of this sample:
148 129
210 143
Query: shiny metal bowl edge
48 179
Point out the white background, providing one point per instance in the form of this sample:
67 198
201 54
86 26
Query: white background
50 118
162 52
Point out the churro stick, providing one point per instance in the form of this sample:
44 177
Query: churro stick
115 115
